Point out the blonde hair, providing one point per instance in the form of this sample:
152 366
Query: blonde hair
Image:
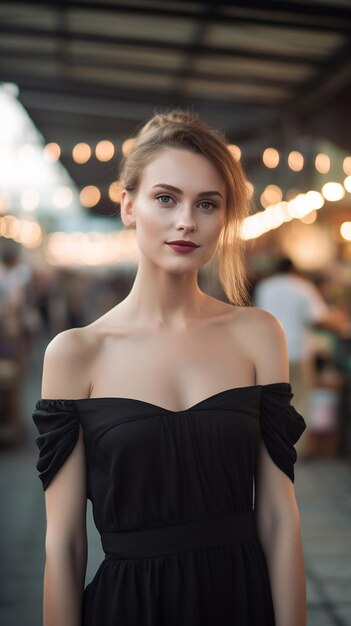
181 129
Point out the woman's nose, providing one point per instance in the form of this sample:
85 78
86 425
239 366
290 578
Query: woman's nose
185 219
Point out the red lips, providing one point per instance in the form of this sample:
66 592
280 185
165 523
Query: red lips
184 242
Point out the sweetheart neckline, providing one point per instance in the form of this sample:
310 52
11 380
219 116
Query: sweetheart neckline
193 406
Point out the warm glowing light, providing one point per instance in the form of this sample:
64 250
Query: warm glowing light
30 199
91 248
271 157
347 183
5 203
114 191
51 152
104 150
30 234
322 163
10 226
89 196
309 218
127 146
299 206
347 165
81 153
62 197
333 191
272 194
263 201
295 161
315 199
250 189
234 150
345 230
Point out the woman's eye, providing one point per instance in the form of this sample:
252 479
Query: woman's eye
210 205
164 198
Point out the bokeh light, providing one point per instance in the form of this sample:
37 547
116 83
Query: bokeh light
345 230
347 165
235 151
81 153
333 191
89 196
295 161
322 163
271 157
347 183
115 190
51 152
127 146
104 150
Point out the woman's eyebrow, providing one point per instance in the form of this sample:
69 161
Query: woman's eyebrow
200 195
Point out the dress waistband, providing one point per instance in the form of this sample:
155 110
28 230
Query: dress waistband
159 540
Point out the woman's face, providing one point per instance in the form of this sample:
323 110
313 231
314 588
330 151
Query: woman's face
181 195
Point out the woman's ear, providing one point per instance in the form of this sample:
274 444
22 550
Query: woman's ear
127 209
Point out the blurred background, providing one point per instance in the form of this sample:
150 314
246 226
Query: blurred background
77 79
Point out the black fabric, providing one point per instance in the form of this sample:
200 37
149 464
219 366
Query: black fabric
159 540
58 424
152 468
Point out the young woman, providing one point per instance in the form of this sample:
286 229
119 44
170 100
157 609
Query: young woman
172 414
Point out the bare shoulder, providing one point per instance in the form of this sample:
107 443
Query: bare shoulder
66 365
263 337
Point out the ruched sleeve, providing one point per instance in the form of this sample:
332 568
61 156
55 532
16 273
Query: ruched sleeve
281 425
58 424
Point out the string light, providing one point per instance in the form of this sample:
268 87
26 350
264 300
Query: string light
322 163
347 165
345 230
127 146
81 153
104 150
347 183
51 152
295 161
114 191
234 150
89 196
5 202
333 191
250 189
309 218
271 157
271 195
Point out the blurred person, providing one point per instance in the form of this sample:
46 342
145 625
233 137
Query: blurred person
172 414
19 322
298 305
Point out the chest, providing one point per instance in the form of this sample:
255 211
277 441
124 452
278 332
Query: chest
171 369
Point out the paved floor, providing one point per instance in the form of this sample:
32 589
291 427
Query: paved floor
323 489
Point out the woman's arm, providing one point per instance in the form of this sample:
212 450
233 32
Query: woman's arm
278 526
65 542
276 510
65 496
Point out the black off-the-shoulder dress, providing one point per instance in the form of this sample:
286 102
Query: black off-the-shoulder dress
173 500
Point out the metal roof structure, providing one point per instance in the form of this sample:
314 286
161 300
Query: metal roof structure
265 73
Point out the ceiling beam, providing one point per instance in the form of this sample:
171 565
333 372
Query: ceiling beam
312 16
86 61
233 52
155 97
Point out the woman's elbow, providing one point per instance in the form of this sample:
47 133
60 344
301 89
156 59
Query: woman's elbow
284 520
